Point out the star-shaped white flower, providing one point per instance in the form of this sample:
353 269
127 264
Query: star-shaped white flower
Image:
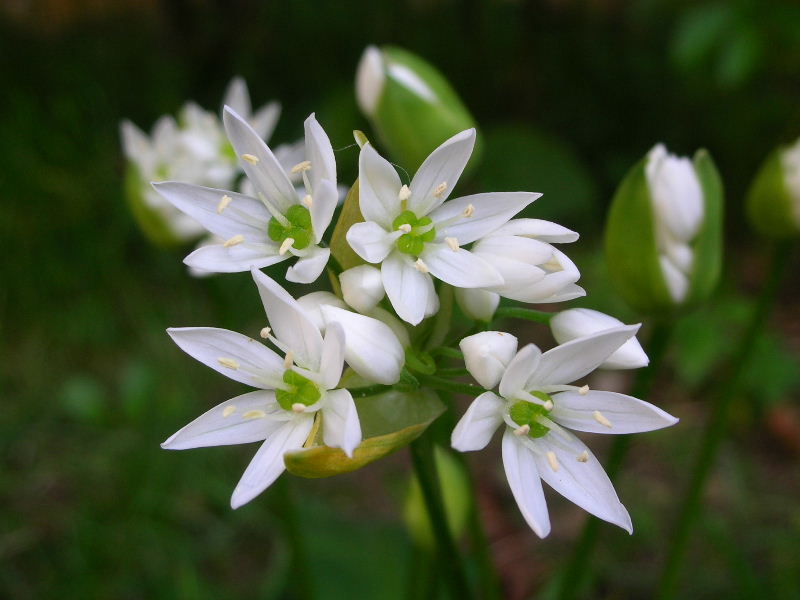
280 223
538 408
416 235
292 388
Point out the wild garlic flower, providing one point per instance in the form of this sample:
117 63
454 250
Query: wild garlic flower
415 235
296 393
280 222
538 408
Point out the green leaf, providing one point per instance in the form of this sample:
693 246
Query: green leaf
351 213
707 246
389 421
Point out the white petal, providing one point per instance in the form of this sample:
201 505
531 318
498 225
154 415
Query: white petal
676 193
544 231
312 304
320 152
477 304
290 322
571 361
371 348
396 325
519 370
578 322
323 203
241 216
459 268
487 354
265 120
135 143
309 267
523 479
519 249
362 287
594 411
475 429
237 97
332 361
267 464
677 282
370 241
370 79
443 166
340 425
244 359
568 292
216 258
492 210
267 174
409 290
432 304
584 483
555 284
226 423
378 186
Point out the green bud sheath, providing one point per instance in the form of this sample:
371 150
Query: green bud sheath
769 204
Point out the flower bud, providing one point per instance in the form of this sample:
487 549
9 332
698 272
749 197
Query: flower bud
773 203
312 304
579 322
664 232
477 304
362 287
487 355
395 88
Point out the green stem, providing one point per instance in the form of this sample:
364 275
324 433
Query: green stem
450 560
302 584
441 325
578 569
715 429
513 312
445 385
448 352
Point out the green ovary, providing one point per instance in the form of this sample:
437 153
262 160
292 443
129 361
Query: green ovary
301 390
422 231
299 227
527 413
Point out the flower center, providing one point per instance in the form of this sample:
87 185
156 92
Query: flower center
526 414
417 232
298 227
301 391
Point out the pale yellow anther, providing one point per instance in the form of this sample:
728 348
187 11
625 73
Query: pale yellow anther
307 201
469 211
452 242
601 418
405 228
288 360
522 430
228 411
553 264
548 405
421 266
223 203
584 390
237 239
251 158
404 193
301 166
440 189
298 407
287 243
553 460
254 414
264 333
582 457
228 362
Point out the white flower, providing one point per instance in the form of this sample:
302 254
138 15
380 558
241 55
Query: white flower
538 407
578 322
532 269
678 208
277 225
292 388
263 121
790 161
416 235
362 287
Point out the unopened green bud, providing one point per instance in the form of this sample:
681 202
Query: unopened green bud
773 203
410 104
663 239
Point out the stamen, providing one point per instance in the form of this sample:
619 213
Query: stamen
584 390
453 243
252 159
228 411
287 243
265 332
553 460
601 418
522 430
469 211
254 414
237 239
223 203
421 266
583 456
440 189
228 362
298 407
404 193
301 166
307 200
405 228
288 360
